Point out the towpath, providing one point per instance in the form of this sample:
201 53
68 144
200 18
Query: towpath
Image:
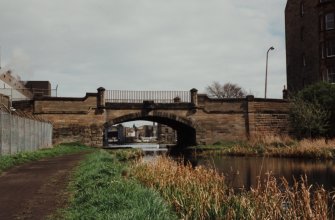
35 190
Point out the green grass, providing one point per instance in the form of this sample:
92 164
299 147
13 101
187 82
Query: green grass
126 154
8 161
102 189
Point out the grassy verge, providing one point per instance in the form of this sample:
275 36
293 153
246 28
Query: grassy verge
102 189
272 146
8 161
202 194
125 155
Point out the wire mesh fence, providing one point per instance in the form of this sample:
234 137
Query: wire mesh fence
18 134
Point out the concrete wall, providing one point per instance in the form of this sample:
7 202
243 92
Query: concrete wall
21 134
208 120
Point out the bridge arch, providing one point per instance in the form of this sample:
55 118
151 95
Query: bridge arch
186 128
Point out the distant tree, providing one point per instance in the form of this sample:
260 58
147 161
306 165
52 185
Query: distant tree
228 90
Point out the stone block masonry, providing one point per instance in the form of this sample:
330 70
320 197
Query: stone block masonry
202 121
73 119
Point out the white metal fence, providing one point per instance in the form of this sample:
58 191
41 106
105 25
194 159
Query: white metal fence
124 96
18 134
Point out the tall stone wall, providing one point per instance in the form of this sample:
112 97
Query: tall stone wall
268 117
240 119
74 119
220 119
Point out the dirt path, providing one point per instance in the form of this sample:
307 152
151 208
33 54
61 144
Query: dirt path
35 190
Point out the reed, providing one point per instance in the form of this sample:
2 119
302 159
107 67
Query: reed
199 193
275 199
194 193
276 146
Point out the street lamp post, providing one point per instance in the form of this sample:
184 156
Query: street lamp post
266 70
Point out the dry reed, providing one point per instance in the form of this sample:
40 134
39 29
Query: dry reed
193 192
276 146
199 193
269 200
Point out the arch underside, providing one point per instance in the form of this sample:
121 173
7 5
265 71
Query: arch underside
186 129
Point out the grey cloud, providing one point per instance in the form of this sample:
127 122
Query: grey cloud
147 44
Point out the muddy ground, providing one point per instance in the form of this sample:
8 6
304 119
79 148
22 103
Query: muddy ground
35 190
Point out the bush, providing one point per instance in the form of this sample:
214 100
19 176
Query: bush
312 111
308 119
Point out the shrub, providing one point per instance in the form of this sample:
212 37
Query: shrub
313 111
308 119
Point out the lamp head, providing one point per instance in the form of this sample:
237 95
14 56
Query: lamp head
272 48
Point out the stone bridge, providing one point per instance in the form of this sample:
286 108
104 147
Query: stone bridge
197 118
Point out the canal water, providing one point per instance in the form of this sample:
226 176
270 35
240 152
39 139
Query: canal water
245 171
151 150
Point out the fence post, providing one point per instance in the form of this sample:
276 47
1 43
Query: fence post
1 134
10 137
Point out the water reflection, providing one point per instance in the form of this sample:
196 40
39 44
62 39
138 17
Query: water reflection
244 171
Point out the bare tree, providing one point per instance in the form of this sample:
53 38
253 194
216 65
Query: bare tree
228 90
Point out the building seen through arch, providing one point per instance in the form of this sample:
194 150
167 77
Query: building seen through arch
155 133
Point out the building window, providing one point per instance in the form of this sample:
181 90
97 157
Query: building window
329 21
330 48
331 74
302 34
303 60
322 50
302 10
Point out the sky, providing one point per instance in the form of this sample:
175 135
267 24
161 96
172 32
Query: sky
81 45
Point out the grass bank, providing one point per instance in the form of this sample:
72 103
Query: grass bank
271 146
7 161
102 189
202 194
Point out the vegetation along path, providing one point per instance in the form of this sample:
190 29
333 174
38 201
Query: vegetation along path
35 190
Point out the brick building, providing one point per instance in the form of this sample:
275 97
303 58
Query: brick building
310 42
166 134
12 86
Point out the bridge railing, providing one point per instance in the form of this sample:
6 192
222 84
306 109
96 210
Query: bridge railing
122 96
